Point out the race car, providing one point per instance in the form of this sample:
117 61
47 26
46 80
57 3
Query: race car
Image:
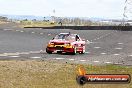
66 42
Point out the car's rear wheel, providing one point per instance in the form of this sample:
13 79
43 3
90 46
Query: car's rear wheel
49 52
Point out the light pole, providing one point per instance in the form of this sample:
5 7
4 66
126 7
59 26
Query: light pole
127 13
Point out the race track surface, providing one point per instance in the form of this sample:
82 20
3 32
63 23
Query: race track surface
103 46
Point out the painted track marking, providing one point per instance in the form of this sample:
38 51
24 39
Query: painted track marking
14 56
103 53
116 54
97 47
21 31
7 29
82 60
87 52
59 58
32 32
35 57
71 59
118 48
41 33
2 55
120 43
96 61
130 55
108 62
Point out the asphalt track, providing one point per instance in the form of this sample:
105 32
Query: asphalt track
103 46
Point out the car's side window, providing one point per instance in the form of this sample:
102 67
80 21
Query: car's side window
77 38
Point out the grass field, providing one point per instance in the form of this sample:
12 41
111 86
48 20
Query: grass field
2 22
51 74
37 24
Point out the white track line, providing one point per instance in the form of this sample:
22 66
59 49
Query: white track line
82 60
24 53
18 53
41 33
108 62
14 56
42 51
21 31
91 42
34 51
116 54
71 59
16 30
88 41
2 55
96 61
102 36
103 53
120 43
59 58
32 32
118 63
35 57
7 29
98 38
97 47
11 53
130 55
118 48
87 52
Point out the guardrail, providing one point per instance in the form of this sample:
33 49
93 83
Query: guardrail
125 28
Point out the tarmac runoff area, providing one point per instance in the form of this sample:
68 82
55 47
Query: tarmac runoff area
102 46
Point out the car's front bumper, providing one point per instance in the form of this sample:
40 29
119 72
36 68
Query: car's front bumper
53 49
62 48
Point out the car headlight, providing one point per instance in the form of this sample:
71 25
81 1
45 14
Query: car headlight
51 43
67 44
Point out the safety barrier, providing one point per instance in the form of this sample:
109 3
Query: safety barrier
123 28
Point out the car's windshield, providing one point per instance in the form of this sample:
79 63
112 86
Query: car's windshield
60 36
65 37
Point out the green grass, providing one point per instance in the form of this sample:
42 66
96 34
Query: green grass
45 74
36 24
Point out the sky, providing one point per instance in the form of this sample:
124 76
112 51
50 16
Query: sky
64 8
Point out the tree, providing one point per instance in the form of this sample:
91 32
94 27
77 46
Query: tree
44 19
3 18
34 20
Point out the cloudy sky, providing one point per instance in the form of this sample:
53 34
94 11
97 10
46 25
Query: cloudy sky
76 8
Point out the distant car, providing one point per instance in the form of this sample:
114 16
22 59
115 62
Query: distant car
66 42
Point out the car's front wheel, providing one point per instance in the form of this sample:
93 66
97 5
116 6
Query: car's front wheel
74 50
49 52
